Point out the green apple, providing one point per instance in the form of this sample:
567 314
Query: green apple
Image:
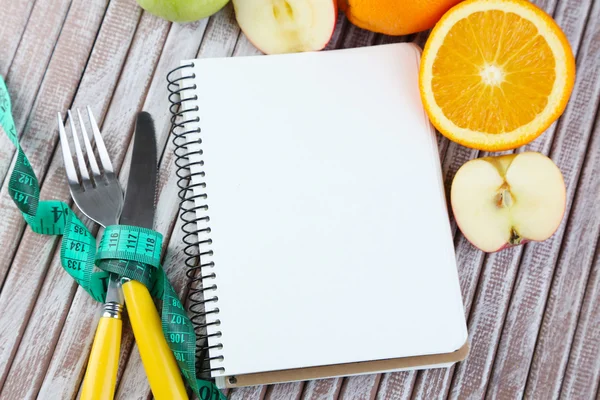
182 10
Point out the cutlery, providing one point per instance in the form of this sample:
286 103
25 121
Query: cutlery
139 209
101 200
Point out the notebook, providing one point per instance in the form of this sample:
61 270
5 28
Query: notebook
324 239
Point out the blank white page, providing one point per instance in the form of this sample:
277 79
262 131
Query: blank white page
330 231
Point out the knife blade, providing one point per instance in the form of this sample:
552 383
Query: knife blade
139 209
140 206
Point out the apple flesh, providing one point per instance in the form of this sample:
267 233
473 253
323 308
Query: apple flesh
505 201
182 10
287 26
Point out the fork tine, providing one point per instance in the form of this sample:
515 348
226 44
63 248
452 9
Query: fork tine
102 152
66 152
88 148
83 171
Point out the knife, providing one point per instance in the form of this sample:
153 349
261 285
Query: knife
159 362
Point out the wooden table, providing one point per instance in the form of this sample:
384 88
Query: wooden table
533 311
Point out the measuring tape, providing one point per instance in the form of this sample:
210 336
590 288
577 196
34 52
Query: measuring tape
128 251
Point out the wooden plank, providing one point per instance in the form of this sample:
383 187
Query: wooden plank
566 296
322 389
24 77
561 311
23 282
396 385
70 355
285 391
222 33
362 387
582 377
14 16
23 80
41 33
248 393
341 27
522 325
244 48
500 270
356 37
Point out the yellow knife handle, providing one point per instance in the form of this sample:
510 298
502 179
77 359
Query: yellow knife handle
160 365
101 374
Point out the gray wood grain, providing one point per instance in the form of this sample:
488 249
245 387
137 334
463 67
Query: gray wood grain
23 282
285 391
248 393
14 16
582 377
560 315
539 262
495 288
24 79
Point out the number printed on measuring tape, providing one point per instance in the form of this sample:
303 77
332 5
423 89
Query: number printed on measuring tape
209 392
131 243
177 319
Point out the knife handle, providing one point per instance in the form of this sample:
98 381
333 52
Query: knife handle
160 365
101 374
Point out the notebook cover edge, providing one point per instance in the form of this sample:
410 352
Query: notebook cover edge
356 368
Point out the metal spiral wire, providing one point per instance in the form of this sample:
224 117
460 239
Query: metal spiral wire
200 299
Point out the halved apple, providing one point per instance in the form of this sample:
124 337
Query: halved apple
505 201
287 26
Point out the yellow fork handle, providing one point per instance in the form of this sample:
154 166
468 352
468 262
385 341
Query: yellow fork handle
160 365
101 374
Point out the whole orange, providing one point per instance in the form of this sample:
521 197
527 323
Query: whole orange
395 17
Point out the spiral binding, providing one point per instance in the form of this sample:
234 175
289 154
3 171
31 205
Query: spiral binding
196 230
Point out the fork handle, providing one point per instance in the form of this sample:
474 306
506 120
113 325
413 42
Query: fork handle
160 365
101 374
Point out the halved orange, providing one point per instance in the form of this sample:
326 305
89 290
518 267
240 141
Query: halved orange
495 74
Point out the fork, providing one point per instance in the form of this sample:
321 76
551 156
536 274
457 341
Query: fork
99 197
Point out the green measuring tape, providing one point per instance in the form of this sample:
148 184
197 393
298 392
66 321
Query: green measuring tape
128 251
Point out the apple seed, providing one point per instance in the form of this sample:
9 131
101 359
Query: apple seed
504 198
